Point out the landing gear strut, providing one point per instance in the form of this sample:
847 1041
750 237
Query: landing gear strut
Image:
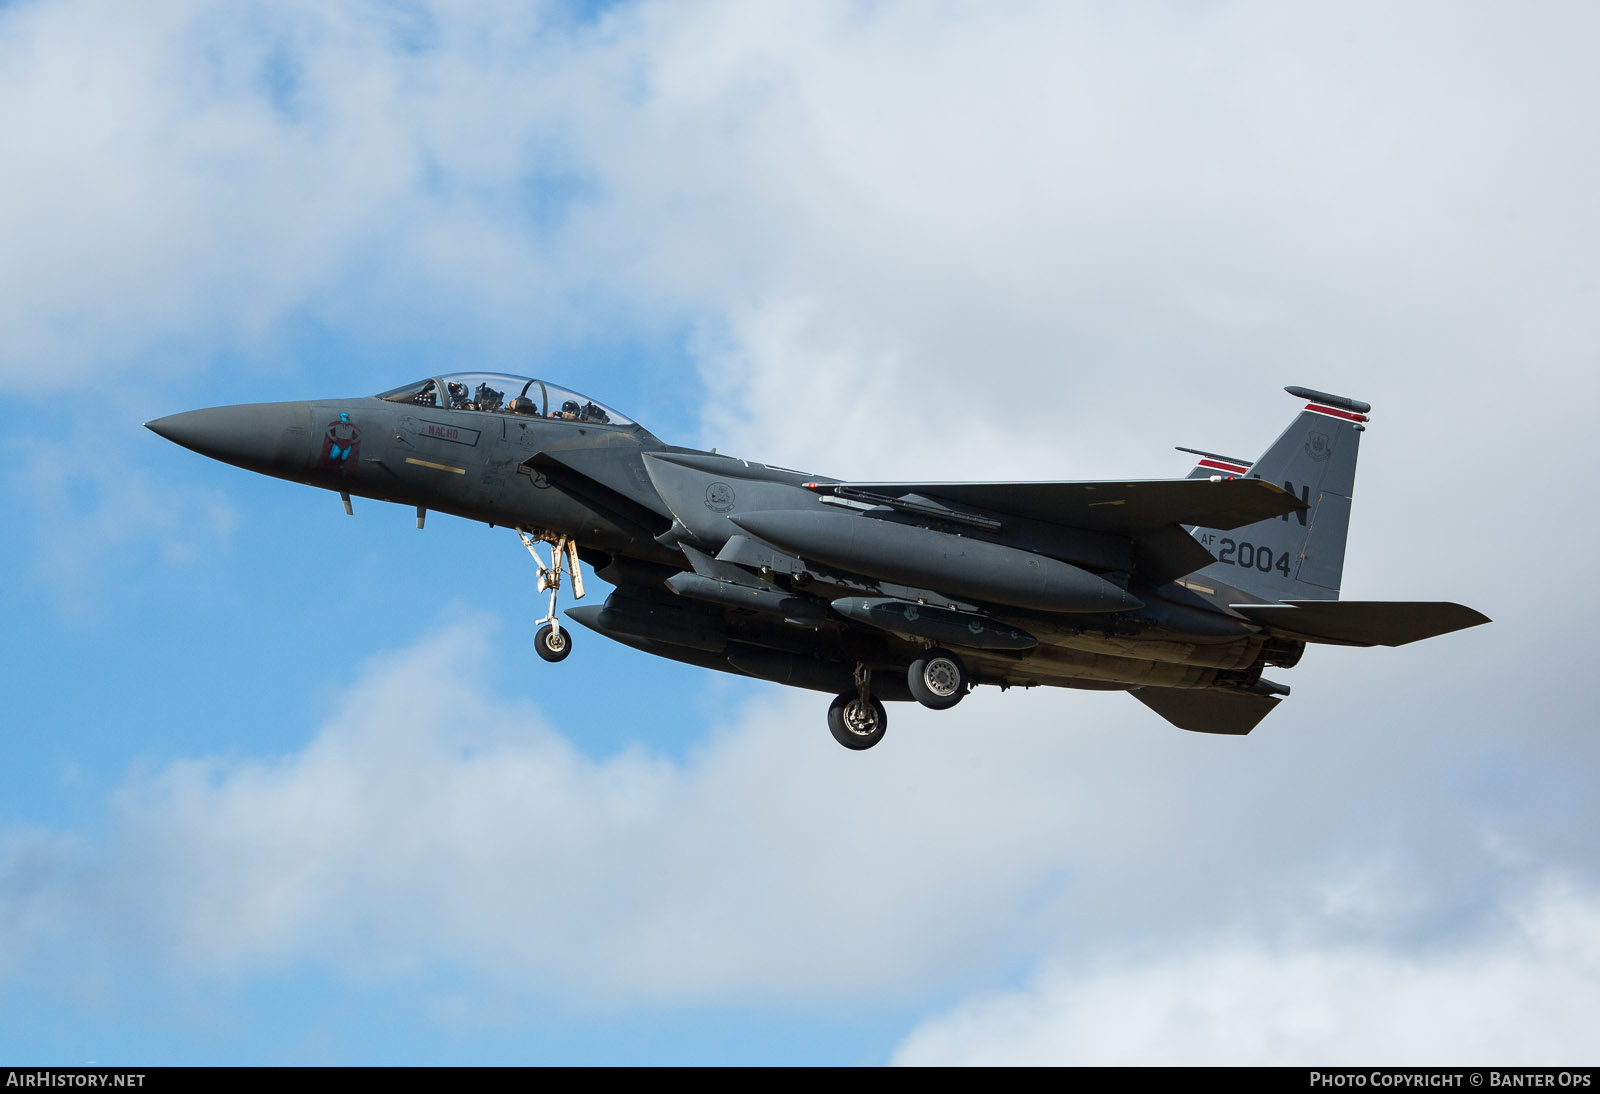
938 679
855 718
551 642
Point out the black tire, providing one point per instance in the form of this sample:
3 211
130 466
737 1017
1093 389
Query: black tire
551 644
856 727
938 679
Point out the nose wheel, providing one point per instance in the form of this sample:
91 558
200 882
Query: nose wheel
552 644
550 641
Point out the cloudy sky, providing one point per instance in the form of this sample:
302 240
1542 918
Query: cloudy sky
278 785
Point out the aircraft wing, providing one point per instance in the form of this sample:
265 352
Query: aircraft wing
1119 508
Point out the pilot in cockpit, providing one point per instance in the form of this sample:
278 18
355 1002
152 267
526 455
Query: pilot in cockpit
458 395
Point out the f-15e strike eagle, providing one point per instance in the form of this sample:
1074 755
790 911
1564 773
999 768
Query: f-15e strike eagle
1181 592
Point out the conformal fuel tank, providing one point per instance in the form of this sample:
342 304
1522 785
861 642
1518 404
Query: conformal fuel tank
957 565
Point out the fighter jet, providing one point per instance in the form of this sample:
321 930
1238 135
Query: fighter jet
1181 592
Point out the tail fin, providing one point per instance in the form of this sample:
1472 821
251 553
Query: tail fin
1299 556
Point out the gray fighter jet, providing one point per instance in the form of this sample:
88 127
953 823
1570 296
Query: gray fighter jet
1181 592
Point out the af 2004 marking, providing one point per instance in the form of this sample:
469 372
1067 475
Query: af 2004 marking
1251 557
1180 592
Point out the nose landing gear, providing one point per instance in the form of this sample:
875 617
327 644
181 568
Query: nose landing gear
550 641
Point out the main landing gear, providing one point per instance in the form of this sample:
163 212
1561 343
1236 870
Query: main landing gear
938 679
855 718
550 641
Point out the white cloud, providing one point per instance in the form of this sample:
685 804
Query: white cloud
189 177
1527 993
431 822
959 201
427 822
983 221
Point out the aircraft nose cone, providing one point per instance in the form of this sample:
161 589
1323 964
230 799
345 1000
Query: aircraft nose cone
273 438
190 429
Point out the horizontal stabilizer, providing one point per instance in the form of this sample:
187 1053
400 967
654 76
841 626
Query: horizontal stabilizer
1208 710
1120 508
1212 463
1362 622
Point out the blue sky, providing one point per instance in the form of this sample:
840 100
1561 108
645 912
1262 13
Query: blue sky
278 785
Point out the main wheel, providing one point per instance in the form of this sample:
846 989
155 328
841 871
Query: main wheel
938 679
551 644
855 724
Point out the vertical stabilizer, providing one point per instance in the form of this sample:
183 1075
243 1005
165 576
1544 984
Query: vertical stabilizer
1299 556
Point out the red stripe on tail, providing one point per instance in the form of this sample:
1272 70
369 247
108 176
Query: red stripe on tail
1335 412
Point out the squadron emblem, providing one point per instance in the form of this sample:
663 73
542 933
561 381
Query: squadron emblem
719 497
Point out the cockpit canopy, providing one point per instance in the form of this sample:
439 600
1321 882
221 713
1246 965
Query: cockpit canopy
500 393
